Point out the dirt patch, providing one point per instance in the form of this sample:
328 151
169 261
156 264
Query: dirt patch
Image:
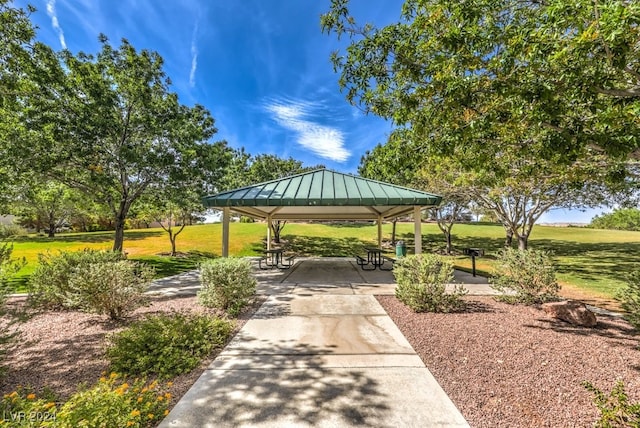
512 366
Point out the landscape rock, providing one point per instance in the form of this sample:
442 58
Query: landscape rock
571 311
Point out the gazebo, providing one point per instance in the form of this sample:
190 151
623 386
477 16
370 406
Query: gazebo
322 194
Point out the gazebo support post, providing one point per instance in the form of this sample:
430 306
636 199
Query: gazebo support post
226 214
269 232
379 231
417 230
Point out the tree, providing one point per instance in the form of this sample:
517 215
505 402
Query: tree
23 68
500 87
50 206
110 128
568 73
622 219
173 209
175 201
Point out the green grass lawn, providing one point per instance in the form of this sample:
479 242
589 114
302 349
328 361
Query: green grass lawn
594 261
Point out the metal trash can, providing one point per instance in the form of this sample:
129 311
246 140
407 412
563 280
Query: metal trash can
401 249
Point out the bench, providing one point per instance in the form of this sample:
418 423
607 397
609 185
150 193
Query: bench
387 259
264 259
362 262
290 262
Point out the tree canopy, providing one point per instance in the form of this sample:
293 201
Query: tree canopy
530 105
110 127
477 75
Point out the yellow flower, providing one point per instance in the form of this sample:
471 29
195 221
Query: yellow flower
160 398
150 416
31 397
169 384
139 399
13 394
145 389
124 386
135 413
49 405
130 423
103 379
166 412
113 375
167 396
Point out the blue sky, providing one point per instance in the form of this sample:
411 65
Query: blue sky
260 66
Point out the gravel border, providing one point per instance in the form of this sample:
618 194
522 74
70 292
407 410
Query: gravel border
513 366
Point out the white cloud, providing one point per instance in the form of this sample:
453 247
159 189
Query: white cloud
51 11
325 141
194 57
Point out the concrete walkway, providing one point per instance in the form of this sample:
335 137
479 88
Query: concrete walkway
320 351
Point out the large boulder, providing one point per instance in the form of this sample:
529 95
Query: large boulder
573 312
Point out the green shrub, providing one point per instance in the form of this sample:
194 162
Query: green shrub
620 218
110 288
629 299
246 219
421 284
112 402
49 283
615 408
227 283
23 408
166 345
11 230
530 273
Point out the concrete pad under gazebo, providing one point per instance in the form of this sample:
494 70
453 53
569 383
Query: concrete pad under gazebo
322 195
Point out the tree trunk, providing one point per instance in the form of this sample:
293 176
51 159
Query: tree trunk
393 232
508 240
118 239
172 238
523 242
52 230
276 228
447 234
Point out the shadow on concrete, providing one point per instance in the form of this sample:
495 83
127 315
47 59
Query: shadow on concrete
287 387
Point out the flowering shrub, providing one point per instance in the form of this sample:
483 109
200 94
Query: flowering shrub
113 402
227 283
23 408
166 345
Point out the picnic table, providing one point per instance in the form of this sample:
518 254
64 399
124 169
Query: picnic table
375 260
275 258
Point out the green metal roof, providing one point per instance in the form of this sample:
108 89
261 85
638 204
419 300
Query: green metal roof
322 194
